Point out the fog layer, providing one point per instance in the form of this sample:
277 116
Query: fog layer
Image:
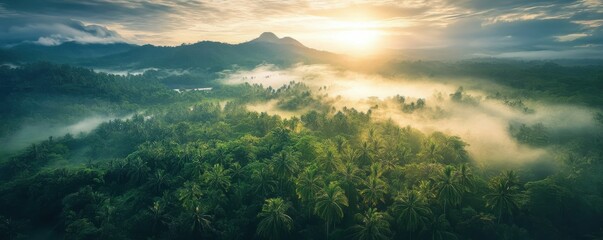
481 121
33 133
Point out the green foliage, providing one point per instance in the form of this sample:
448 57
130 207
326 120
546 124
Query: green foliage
411 210
275 220
373 225
192 166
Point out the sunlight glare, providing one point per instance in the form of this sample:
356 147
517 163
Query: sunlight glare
359 38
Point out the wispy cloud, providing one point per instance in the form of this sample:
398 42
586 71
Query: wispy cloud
471 25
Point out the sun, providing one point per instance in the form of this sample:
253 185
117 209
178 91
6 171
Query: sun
358 39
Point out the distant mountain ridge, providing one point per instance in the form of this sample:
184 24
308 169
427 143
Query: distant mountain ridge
272 38
213 56
66 52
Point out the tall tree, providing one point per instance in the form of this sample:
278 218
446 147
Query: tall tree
274 219
430 152
439 229
373 226
284 164
158 180
190 195
308 184
464 177
217 177
374 191
412 211
503 197
447 190
330 203
349 177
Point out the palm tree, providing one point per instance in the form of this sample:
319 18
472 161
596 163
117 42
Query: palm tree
439 228
365 157
350 155
413 212
510 178
457 146
158 180
274 217
138 170
465 178
217 177
340 143
376 147
308 185
190 195
446 188
431 152
503 198
330 162
263 182
156 212
201 220
348 175
373 225
375 191
329 204
425 190
284 164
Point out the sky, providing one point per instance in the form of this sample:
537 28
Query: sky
477 28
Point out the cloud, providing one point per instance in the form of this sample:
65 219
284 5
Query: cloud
55 32
473 26
485 125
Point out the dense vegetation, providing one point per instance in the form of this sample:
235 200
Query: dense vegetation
200 165
581 84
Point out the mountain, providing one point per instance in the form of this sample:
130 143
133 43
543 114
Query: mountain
68 52
269 37
216 56
206 55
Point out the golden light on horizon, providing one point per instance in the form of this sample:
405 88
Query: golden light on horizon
356 38
359 42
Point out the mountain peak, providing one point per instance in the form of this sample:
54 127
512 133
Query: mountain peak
270 37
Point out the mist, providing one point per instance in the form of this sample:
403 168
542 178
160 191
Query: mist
33 133
483 122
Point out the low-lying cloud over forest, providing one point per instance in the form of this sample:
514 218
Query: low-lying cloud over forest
489 123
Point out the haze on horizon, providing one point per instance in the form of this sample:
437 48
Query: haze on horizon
471 28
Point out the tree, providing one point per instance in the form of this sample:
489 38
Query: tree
330 203
446 188
201 220
138 170
217 177
373 225
157 215
349 176
330 162
308 184
190 195
412 212
275 220
375 191
158 180
340 144
365 155
431 152
465 178
284 164
503 197
438 229
263 181
510 178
